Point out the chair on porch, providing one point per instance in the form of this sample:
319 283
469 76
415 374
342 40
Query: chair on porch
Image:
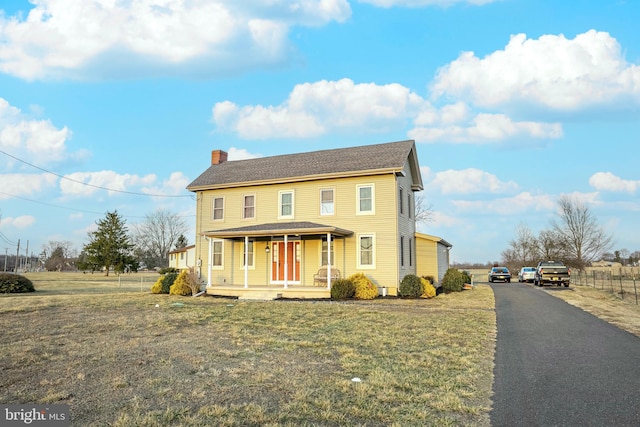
320 278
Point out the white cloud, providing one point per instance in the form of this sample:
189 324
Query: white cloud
422 3
23 185
37 140
174 185
552 71
518 204
606 181
241 154
67 38
19 222
467 181
483 128
92 182
314 109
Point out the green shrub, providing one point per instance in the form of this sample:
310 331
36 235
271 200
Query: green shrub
342 289
166 270
163 284
365 289
453 280
182 285
428 291
14 283
410 286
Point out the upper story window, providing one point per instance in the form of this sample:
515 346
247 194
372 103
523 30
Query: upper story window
286 204
326 201
249 207
218 208
365 199
409 205
401 200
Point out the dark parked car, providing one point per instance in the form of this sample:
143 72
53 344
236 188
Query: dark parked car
500 274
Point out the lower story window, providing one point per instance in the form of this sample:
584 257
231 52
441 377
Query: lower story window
366 251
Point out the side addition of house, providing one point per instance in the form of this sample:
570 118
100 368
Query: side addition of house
296 222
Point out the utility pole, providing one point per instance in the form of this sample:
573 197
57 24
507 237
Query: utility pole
6 254
15 264
26 258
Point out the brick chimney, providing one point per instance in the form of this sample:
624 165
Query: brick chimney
218 156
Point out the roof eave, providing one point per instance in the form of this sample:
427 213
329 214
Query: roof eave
303 178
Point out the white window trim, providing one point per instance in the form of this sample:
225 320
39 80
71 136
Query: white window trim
255 203
373 199
213 208
221 266
333 191
293 204
360 266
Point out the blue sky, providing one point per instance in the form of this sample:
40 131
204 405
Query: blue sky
512 103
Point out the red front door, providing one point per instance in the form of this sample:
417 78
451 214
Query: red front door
291 261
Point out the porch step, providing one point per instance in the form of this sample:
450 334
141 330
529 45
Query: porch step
260 295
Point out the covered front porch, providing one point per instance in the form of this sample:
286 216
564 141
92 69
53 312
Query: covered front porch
274 260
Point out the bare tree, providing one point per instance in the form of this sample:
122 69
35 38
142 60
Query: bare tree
58 256
523 250
551 246
586 240
423 210
156 235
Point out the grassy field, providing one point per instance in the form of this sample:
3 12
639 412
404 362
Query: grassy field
121 356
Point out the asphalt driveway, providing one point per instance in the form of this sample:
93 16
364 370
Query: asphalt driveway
557 365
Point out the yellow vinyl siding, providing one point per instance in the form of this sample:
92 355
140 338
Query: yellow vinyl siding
426 256
307 208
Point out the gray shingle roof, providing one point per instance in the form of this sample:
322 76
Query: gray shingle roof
387 156
279 228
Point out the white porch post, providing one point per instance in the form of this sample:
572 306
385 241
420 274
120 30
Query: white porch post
329 261
286 261
246 261
209 261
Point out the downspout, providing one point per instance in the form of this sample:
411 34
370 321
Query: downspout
209 261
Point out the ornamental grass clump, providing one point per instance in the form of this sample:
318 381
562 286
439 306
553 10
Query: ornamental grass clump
454 280
342 289
428 290
365 289
182 285
14 283
410 286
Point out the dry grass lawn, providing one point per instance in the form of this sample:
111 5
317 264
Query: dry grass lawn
121 356
625 314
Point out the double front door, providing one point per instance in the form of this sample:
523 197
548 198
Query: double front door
285 259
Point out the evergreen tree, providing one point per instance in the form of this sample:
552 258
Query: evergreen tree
182 242
110 245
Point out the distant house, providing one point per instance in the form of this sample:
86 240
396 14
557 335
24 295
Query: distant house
183 258
432 256
296 222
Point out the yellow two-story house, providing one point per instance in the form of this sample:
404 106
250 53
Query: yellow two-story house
296 222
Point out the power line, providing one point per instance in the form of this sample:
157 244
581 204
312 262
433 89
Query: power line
64 207
91 185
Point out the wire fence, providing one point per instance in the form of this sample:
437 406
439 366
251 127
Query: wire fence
623 282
